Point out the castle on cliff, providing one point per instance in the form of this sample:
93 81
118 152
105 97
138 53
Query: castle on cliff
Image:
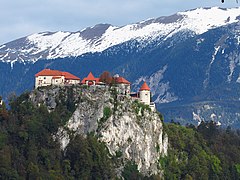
48 77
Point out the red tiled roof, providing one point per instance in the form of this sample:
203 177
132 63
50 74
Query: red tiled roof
121 80
145 87
48 72
68 75
97 80
90 77
56 74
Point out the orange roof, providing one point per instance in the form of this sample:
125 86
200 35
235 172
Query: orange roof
68 75
49 72
90 77
56 74
97 80
145 87
121 80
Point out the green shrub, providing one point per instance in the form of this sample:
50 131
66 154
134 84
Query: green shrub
107 112
118 154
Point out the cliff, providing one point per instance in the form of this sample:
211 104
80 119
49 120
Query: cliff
130 130
65 139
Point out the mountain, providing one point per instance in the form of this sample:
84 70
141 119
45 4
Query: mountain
190 60
52 45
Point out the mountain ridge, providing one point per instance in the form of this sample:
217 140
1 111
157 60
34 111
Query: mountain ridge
60 44
182 67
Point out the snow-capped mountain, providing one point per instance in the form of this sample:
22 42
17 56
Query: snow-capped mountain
190 60
51 45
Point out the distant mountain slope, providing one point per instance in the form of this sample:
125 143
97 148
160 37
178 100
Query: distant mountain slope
50 45
188 59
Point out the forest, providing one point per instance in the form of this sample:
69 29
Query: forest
28 149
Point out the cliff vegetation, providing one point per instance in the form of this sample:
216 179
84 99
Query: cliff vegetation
45 135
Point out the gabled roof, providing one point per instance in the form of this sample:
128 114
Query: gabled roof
68 75
90 77
56 74
49 72
121 80
144 87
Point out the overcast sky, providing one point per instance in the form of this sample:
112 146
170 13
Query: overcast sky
20 18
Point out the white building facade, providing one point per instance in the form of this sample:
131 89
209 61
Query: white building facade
49 77
145 96
124 86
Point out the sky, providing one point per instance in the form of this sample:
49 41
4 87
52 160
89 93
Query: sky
20 18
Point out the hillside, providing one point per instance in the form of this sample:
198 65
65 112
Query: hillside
205 152
122 130
188 59
29 132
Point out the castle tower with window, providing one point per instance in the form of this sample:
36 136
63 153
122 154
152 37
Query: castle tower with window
145 94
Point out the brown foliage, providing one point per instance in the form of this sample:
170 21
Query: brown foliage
106 77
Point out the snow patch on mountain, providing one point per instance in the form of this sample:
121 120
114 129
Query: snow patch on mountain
197 117
60 44
202 19
234 61
2 46
206 81
238 80
213 117
44 41
238 39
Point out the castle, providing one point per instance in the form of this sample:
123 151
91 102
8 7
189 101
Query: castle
49 77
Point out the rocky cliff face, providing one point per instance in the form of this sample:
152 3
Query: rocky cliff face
131 131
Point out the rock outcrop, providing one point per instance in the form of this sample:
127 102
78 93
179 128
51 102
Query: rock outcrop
130 130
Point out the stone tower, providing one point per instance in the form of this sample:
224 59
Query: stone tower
145 94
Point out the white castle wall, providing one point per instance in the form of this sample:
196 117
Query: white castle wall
144 96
